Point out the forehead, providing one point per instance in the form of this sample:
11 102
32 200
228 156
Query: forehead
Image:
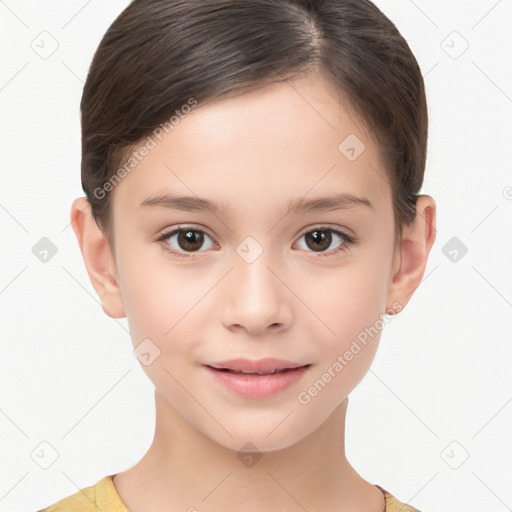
282 141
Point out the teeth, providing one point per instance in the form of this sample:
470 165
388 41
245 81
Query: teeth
260 373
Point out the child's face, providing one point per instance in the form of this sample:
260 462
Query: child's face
254 155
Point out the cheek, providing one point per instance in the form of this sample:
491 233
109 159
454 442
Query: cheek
345 357
156 311
350 304
349 300
163 303
147 292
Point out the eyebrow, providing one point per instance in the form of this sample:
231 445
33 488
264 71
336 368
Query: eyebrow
196 204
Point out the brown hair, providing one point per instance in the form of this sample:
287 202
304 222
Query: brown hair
158 54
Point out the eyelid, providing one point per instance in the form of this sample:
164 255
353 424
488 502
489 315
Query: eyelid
344 231
349 239
168 232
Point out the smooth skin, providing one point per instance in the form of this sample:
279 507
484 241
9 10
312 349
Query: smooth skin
253 153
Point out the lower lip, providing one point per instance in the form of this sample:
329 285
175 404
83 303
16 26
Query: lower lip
257 386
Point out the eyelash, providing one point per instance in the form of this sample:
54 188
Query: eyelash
348 240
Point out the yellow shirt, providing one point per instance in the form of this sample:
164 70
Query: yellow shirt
103 496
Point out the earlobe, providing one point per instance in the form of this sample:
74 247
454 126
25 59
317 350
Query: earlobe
98 258
412 255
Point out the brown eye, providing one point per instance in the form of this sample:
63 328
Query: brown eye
320 239
188 240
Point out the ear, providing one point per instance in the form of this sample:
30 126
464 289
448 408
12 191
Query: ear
410 258
98 258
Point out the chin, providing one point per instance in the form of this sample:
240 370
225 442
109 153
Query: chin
259 434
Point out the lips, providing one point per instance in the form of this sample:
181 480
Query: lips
265 366
256 379
269 372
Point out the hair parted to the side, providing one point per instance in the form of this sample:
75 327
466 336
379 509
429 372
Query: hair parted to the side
158 54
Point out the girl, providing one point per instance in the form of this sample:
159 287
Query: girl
252 173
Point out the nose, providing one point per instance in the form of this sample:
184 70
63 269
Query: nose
255 298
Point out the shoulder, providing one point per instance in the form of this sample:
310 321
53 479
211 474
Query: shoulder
84 501
394 505
102 495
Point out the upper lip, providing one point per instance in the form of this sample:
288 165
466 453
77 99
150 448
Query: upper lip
265 365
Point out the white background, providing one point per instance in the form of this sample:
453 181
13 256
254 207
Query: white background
440 389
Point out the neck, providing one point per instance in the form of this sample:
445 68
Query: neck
185 470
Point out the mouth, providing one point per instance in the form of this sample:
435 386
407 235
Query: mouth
265 366
256 379
268 372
